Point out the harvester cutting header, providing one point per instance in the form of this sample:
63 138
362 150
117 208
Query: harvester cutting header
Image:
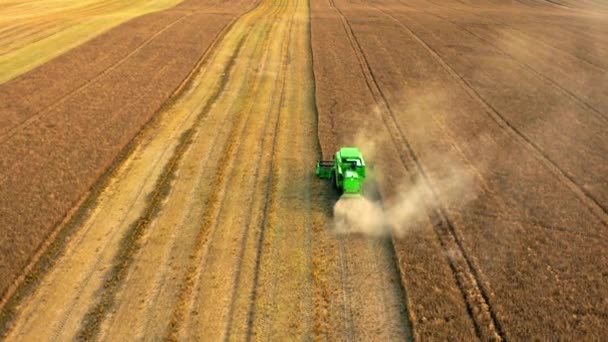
346 172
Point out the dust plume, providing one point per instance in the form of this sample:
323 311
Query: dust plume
408 210
411 202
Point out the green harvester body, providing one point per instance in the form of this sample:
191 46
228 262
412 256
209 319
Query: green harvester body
346 171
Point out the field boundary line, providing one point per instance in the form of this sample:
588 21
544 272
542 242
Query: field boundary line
595 207
52 247
447 235
322 324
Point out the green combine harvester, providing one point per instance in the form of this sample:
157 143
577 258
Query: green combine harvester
346 171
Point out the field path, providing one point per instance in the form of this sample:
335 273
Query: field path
214 226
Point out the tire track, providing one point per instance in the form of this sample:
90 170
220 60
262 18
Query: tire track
466 275
269 184
502 205
214 206
593 204
270 188
349 324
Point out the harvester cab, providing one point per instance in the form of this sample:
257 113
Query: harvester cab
346 171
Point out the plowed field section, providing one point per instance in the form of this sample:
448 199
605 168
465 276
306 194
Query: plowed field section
214 227
498 110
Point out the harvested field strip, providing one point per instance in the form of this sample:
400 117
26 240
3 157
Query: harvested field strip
65 28
595 205
229 159
158 154
165 84
480 310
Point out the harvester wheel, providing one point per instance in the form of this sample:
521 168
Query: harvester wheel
334 183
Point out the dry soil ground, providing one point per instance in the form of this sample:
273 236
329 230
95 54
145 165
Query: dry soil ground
486 121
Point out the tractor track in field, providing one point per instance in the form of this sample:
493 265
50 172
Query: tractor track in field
445 230
343 252
216 204
349 322
269 188
593 204
382 103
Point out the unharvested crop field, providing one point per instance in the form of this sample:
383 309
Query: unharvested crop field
157 171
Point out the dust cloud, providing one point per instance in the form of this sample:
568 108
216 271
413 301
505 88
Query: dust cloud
407 211
409 207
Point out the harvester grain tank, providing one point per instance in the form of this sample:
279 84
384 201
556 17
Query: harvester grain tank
346 171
